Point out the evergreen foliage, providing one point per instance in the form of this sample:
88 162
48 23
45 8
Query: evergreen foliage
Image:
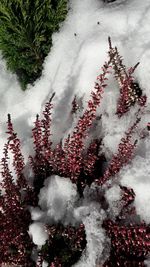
26 28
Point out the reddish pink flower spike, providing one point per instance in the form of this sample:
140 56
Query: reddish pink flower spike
130 92
41 162
16 245
130 244
76 140
46 124
123 157
18 159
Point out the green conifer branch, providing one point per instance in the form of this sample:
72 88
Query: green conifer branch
26 28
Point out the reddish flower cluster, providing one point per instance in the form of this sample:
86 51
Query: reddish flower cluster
75 144
130 92
123 157
68 159
92 157
18 159
130 241
41 162
130 244
16 245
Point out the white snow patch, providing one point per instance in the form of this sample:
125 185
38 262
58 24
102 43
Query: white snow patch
38 233
95 235
137 176
147 262
113 197
57 197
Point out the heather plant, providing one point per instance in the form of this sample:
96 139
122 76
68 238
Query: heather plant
26 29
16 245
129 237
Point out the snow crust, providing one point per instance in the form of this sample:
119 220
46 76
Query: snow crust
78 52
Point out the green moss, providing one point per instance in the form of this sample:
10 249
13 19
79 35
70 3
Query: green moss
26 28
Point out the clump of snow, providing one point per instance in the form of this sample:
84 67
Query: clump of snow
44 264
92 217
92 214
59 201
57 198
36 213
142 202
38 233
147 262
113 194
113 197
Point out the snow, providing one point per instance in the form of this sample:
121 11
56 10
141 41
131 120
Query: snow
113 197
59 202
95 236
38 233
138 177
78 52
57 198
147 262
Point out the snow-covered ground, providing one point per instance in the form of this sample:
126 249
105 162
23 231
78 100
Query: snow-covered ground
78 52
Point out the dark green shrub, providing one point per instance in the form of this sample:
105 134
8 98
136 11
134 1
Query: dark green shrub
26 28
